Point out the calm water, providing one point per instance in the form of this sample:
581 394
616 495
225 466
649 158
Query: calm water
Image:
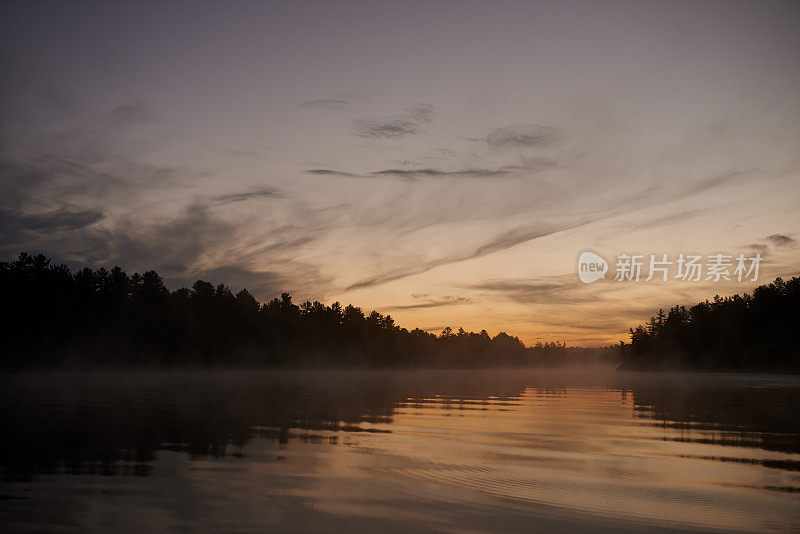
464 451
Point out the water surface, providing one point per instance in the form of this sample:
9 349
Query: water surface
400 451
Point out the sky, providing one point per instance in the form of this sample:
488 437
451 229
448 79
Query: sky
442 162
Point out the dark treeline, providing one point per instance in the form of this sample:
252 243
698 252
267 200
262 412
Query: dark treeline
742 332
107 317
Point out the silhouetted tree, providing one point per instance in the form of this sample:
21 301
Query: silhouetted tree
107 317
740 332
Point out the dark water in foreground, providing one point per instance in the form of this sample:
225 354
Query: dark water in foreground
450 451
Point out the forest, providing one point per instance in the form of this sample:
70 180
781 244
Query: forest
745 332
106 317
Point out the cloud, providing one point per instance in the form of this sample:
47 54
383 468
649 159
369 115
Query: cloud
388 128
422 112
197 244
434 173
239 153
336 102
732 176
666 220
290 239
781 240
512 238
62 228
261 192
64 218
413 174
524 234
128 114
774 240
170 245
52 183
500 242
326 103
408 123
644 200
174 244
529 165
430 303
757 247
548 290
53 180
522 135
80 165
330 172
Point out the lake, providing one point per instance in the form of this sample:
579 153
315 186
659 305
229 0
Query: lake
399 451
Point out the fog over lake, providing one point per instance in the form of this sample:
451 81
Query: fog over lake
399 451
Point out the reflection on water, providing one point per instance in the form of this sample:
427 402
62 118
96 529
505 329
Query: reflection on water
482 451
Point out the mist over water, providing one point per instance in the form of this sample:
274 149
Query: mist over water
479 451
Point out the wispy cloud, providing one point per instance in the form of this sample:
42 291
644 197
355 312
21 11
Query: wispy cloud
331 172
386 128
546 290
64 218
435 173
761 248
429 303
533 165
781 240
174 244
500 242
422 112
336 102
61 229
410 122
517 236
413 174
54 181
665 220
128 114
773 241
730 177
522 135
261 192
643 199
87 163
326 103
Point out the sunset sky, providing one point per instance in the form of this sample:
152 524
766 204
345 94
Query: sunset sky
442 162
